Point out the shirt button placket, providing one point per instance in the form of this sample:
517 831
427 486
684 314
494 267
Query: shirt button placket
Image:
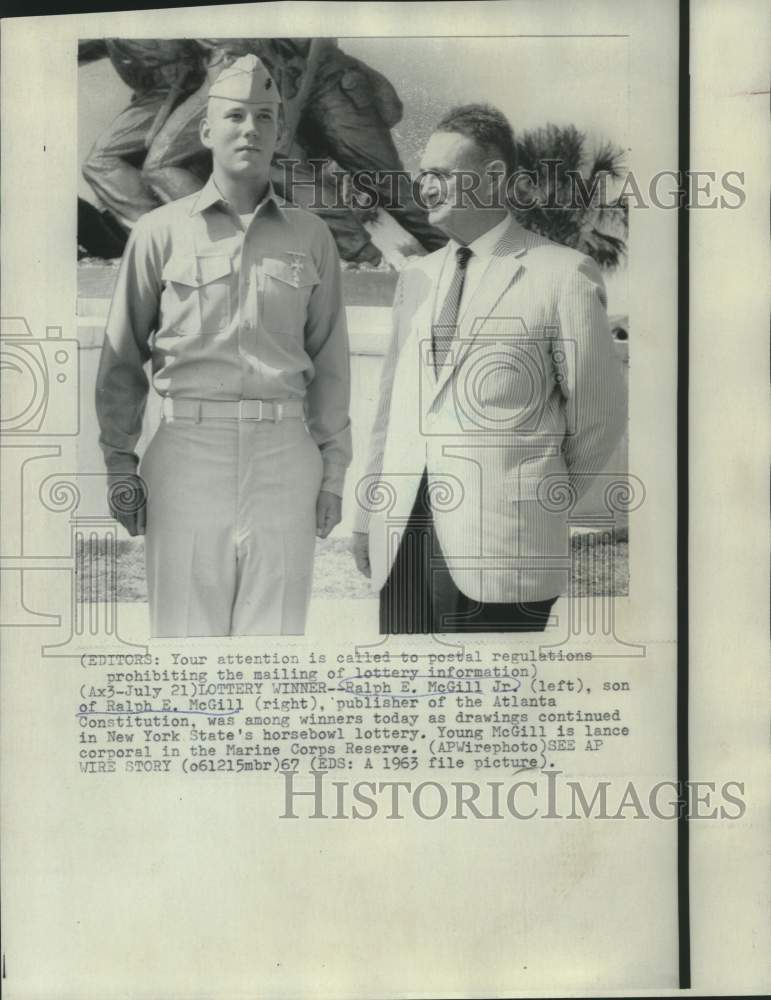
245 301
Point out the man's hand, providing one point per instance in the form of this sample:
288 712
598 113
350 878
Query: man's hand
127 497
329 510
360 549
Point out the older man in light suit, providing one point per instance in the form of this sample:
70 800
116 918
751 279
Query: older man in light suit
501 389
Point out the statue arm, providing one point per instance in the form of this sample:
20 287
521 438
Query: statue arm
91 49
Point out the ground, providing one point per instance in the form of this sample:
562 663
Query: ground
335 576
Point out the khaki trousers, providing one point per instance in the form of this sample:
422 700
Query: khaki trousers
231 522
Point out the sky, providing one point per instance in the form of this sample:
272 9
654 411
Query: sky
534 81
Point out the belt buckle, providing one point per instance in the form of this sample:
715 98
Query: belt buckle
242 410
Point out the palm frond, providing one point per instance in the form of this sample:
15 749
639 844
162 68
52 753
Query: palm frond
557 157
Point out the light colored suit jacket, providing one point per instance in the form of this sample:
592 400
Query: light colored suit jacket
529 403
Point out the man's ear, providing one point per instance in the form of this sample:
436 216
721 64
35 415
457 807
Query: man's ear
523 190
496 173
204 131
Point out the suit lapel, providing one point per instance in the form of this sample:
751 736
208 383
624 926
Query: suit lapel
431 268
426 281
502 267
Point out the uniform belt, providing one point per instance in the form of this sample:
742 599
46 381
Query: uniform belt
231 409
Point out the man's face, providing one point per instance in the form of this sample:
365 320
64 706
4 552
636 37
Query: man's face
241 136
442 189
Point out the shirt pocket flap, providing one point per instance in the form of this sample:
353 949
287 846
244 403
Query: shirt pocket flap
298 277
196 271
182 270
212 268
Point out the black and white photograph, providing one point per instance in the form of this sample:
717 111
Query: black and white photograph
384 564
355 411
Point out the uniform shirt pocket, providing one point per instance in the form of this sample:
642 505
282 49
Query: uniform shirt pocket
197 293
285 294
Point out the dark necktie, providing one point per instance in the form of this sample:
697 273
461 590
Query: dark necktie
443 331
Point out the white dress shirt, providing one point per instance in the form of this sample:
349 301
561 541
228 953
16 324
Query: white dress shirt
481 250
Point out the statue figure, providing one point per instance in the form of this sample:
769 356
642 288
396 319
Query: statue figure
160 72
336 109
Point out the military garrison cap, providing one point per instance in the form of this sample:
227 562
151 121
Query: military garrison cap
246 80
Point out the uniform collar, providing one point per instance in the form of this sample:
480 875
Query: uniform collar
210 195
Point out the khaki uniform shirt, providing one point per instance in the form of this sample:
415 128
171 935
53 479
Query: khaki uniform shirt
225 312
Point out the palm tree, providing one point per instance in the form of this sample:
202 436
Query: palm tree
571 187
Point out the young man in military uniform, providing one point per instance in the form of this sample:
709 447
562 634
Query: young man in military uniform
235 298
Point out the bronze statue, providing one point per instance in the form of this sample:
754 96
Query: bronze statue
336 109
160 73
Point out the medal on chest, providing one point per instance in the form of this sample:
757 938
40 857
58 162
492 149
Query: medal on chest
296 264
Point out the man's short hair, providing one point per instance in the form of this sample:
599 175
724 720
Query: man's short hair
487 126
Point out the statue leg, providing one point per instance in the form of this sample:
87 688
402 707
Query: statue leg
108 167
168 168
347 126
